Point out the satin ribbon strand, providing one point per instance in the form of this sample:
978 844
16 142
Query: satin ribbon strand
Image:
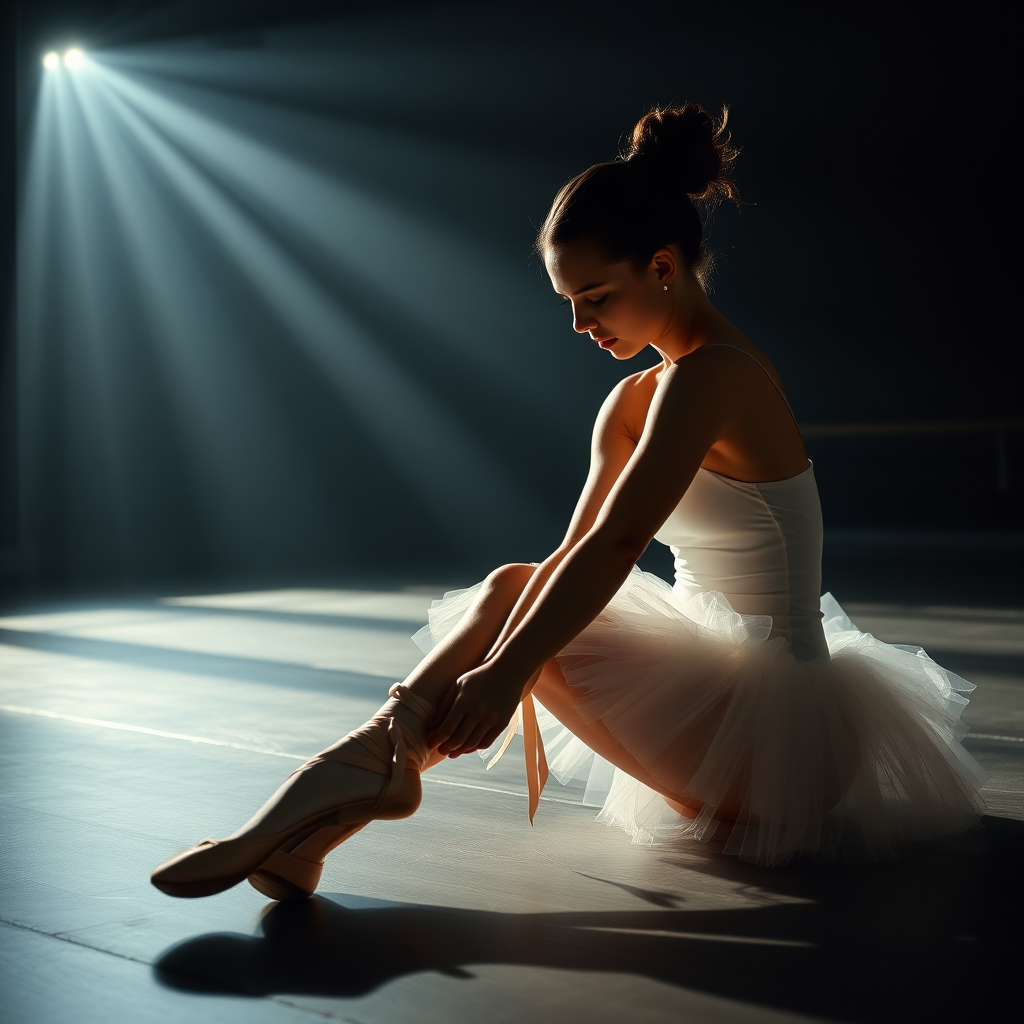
509 733
536 759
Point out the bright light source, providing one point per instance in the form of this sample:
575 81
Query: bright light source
74 58
51 60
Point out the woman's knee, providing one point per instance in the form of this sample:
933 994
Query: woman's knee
509 581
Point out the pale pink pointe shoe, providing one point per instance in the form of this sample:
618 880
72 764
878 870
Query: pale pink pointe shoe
383 745
292 872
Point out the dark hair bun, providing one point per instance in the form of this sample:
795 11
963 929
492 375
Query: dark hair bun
687 144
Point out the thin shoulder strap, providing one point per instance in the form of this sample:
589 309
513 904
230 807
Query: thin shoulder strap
775 384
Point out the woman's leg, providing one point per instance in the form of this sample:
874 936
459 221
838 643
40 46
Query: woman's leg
560 699
466 646
373 772
469 643
311 791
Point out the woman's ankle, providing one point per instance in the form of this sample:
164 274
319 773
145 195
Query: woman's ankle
410 721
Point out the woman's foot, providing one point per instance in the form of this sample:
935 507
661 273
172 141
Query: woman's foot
340 787
293 871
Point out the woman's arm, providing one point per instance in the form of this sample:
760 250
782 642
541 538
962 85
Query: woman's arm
615 437
616 433
689 413
686 418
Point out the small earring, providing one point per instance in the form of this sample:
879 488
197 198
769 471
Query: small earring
664 287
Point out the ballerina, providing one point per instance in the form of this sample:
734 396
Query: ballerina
736 704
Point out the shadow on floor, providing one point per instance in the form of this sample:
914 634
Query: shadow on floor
935 937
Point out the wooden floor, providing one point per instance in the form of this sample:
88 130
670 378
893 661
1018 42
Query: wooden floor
131 729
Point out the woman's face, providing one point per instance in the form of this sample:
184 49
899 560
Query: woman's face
624 310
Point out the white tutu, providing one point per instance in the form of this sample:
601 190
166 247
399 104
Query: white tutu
844 759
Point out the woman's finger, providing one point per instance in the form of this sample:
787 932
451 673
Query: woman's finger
458 738
491 736
473 740
443 733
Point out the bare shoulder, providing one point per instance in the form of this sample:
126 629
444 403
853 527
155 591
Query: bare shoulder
639 381
627 403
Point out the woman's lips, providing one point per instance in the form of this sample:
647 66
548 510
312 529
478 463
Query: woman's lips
606 342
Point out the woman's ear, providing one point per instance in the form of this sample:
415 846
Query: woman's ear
665 266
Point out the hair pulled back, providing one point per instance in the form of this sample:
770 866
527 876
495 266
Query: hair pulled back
645 199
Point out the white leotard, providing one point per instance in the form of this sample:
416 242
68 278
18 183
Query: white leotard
758 544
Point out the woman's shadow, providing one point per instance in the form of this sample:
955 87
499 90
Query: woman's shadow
848 943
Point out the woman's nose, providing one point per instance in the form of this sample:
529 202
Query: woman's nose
581 323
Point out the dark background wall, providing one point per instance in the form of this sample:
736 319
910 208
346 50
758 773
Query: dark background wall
436 421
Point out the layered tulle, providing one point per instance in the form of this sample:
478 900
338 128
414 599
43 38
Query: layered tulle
845 758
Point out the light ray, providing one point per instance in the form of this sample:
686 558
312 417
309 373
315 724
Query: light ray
180 247
37 282
200 376
424 268
96 430
424 442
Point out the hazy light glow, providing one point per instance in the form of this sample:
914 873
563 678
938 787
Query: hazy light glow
74 58
173 298
51 61
422 438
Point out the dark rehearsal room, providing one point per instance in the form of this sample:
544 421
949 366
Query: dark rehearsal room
511 512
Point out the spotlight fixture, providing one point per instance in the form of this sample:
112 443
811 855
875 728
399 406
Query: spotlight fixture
74 59
51 61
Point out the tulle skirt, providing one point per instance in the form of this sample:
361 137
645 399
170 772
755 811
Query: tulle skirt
847 758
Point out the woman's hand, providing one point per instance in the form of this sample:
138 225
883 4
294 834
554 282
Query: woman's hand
477 708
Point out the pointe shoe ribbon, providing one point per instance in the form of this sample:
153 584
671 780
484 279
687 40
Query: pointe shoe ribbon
536 759
390 744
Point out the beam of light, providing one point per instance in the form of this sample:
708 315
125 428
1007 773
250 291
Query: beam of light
51 61
74 59
77 378
97 428
423 440
212 253
354 217
376 245
38 279
224 411
221 407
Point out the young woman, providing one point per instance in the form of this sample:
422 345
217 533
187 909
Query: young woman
726 705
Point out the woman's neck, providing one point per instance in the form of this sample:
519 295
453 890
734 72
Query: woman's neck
694 323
